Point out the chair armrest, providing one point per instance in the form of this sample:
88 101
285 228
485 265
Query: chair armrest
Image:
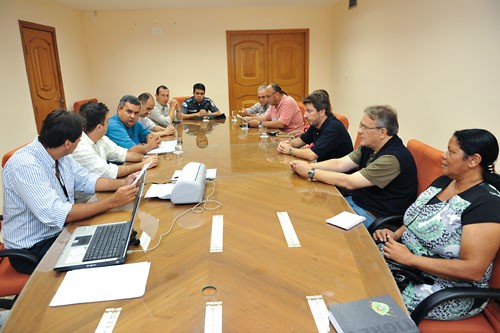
394 221
428 304
19 253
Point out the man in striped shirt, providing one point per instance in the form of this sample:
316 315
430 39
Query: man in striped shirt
40 181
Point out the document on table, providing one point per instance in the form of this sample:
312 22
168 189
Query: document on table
102 284
162 191
165 147
211 174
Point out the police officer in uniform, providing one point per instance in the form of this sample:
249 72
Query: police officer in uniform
199 106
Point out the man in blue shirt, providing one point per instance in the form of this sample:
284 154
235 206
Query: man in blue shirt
40 181
125 130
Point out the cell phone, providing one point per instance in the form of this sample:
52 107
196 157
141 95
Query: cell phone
273 133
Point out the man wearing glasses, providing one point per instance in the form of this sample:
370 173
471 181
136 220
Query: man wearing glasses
258 108
386 180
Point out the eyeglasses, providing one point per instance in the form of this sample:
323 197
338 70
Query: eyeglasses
364 128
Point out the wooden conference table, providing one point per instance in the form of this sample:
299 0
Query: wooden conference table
261 282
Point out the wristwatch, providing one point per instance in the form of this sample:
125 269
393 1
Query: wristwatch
310 173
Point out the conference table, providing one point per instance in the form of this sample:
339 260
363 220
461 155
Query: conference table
261 282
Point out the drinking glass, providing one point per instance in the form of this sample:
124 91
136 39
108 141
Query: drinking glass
244 125
263 131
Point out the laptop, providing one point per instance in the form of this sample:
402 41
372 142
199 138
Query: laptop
99 245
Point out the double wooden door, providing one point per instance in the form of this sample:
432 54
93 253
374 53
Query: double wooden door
257 58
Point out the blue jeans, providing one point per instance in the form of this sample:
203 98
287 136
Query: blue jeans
360 211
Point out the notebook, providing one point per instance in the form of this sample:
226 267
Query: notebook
99 245
345 220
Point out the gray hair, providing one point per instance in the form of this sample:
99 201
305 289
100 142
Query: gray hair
385 116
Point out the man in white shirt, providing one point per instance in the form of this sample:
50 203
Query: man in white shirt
163 113
147 106
95 150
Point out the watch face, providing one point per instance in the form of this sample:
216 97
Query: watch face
311 173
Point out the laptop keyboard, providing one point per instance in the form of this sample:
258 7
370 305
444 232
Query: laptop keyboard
107 242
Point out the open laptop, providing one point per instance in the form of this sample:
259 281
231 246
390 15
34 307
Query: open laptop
99 245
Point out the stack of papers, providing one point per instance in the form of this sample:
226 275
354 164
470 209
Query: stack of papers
102 284
165 147
345 220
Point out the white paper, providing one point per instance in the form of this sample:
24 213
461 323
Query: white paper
217 233
102 284
141 173
288 230
165 147
320 312
211 174
345 220
108 320
161 191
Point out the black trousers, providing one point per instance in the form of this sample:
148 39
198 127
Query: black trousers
39 249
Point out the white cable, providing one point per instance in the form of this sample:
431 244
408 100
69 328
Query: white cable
197 209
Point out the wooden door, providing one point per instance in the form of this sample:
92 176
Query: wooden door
256 58
43 69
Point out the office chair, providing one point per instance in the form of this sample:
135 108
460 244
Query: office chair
8 155
11 281
486 321
181 100
78 104
343 119
428 162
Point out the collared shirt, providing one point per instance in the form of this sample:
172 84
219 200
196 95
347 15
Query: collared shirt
35 206
159 115
257 109
95 156
147 123
288 113
126 137
190 105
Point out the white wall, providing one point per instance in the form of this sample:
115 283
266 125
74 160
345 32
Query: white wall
436 62
126 57
18 122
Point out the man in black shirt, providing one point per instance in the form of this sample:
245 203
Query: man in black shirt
326 132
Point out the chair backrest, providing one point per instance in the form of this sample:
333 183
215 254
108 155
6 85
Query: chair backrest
343 119
8 154
78 104
302 111
181 99
428 161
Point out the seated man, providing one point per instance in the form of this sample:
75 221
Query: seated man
147 105
40 181
386 183
125 130
283 114
164 109
258 108
199 106
329 136
96 150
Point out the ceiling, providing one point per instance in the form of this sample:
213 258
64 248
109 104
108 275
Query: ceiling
92 5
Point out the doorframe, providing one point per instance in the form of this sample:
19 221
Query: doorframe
52 31
230 60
